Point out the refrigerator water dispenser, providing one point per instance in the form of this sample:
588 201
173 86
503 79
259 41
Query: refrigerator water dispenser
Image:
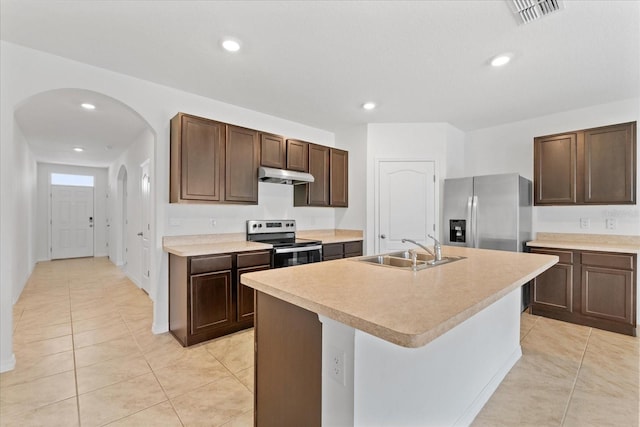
457 230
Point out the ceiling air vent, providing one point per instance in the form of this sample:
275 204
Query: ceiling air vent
529 10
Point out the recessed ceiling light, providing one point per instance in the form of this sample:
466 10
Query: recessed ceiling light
78 149
88 106
231 45
502 59
369 105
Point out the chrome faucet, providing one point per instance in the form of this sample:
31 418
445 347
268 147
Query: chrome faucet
437 249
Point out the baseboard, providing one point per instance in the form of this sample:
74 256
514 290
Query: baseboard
8 365
478 403
157 329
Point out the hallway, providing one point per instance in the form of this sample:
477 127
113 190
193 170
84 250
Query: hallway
86 356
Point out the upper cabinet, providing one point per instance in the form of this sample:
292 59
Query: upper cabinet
273 151
329 167
197 159
212 162
297 155
592 166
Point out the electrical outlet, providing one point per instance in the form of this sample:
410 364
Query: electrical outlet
585 223
212 221
336 365
611 223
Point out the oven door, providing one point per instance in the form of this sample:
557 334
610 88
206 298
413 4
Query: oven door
288 257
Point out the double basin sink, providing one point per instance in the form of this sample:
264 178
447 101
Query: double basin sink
402 260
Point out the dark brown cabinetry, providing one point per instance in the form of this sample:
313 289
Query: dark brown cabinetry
206 298
273 151
329 167
332 251
589 288
288 364
592 166
212 162
241 183
197 159
338 182
297 155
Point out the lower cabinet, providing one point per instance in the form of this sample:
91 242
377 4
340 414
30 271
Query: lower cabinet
206 298
332 251
595 289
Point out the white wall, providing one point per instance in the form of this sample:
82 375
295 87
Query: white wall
27 72
44 208
141 149
509 148
405 141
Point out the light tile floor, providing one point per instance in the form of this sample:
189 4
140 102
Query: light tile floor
86 356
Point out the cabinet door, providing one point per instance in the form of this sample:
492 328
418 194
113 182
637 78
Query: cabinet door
297 155
272 151
241 183
318 194
607 294
609 164
353 249
555 169
246 295
210 297
553 289
339 177
199 144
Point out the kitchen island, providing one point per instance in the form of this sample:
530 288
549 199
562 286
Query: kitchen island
350 343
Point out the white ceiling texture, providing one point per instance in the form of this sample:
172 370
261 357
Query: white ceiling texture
316 62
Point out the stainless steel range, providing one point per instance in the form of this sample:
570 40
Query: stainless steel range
287 249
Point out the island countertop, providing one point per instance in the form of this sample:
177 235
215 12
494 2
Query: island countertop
403 307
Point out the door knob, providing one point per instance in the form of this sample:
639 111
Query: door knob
140 234
383 236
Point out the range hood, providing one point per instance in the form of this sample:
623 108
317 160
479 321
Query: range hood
283 176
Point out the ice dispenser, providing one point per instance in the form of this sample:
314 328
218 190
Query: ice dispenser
457 230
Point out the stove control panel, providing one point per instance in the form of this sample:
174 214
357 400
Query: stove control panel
277 226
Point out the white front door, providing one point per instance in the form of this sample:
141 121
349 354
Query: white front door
71 221
145 194
406 204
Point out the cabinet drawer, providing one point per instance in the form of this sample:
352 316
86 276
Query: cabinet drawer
252 259
208 263
353 248
332 249
624 261
565 257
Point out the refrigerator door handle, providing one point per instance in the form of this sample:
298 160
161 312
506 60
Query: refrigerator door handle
474 219
469 224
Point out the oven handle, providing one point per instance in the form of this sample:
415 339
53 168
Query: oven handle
298 249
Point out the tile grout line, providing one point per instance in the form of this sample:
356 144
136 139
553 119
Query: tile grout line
75 366
575 380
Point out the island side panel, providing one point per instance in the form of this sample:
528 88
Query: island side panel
446 382
178 301
288 364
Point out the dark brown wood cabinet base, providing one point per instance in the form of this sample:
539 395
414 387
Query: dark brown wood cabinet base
595 289
288 364
331 251
206 298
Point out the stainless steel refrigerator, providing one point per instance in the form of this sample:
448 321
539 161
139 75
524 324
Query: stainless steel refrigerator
490 212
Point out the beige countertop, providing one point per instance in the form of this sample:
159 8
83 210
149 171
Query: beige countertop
403 307
211 244
588 242
331 236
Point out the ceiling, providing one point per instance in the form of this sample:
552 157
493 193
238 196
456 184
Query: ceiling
316 62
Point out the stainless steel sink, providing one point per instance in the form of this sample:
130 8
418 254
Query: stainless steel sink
402 260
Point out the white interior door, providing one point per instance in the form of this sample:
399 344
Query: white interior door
406 203
145 194
71 221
